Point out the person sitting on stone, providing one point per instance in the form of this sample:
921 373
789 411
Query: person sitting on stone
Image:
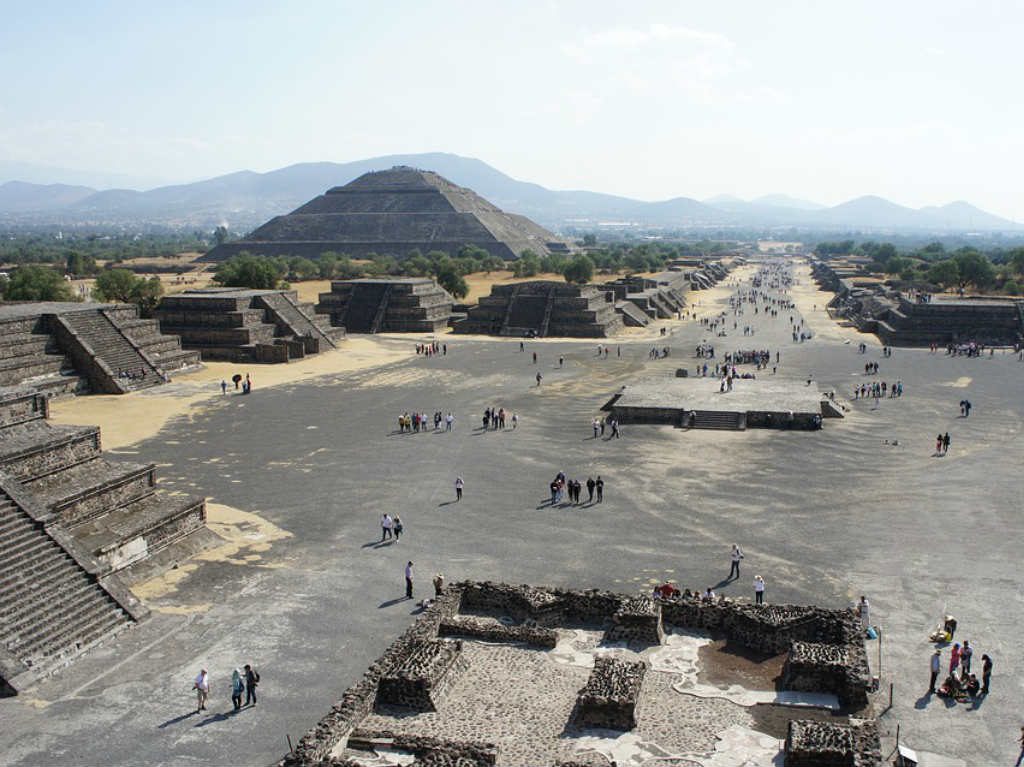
972 686
709 595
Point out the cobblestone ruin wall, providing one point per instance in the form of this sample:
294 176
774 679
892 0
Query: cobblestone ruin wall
839 669
609 698
428 751
638 619
828 744
766 628
490 631
425 676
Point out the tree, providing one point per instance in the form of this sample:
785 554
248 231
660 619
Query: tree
493 264
220 234
1012 288
1016 260
590 240
123 286
527 265
80 264
974 268
580 270
448 277
944 273
302 269
248 271
417 265
38 283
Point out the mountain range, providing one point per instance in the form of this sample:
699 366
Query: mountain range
246 199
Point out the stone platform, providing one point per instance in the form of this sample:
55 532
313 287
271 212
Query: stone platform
697 403
544 308
397 305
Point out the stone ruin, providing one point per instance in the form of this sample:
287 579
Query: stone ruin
70 348
820 667
640 299
398 305
75 528
638 619
610 696
544 308
824 744
394 212
900 320
608 699
424 677
241 325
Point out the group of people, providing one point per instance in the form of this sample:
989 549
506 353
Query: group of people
942 444
132 375
497 418
432 348
965 407
391 527
878 389
961 683
241 682
236 379
600 424
561 486
420 422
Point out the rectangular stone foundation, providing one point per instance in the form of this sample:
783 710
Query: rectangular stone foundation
817 667
638 619
610 696
827 744
423 679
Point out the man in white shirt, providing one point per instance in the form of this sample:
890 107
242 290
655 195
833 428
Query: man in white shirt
408 580
202 688
736 556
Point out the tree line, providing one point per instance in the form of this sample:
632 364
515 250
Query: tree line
993 269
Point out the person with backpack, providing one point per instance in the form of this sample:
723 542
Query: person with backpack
252 678
237 688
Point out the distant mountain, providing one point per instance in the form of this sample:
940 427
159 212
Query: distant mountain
19 196
785 201
247 199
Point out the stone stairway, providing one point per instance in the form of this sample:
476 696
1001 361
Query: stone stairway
50 607
99 335
382 308
29 358
719 420
549 304
295 321
506 323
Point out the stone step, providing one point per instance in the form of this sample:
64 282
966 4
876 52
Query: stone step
36 448
93 487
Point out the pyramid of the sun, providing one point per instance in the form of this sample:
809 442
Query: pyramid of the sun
393 212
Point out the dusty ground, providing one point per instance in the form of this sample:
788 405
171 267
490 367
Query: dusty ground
723 664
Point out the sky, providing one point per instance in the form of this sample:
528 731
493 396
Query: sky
918 102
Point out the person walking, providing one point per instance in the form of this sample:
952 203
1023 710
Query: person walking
986 673
223 386
459 484
397 525
252 678
615 428
202 688
408 580
596 425
599 486
758 590
386 526
237 688
934 668
945 443
539 378
515 421
736 555
591 484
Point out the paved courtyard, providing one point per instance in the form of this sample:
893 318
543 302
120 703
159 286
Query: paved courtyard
308 594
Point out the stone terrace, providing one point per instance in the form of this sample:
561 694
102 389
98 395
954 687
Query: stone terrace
544 308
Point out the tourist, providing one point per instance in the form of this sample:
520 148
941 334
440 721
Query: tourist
954 658
599 486
408 580
949 625
522 348
965 656
386 525
615 429
864 611
397 524
459 485
561 361
936 659
736 555
515 421
252 678
591 484
223 386
596 426
202 688
709 595
448 421
758 590
438 584
973 686
945 443
986 673
237 688
1021 757
938 445
535 358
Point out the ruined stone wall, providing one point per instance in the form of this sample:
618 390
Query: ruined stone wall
426 674
609 698
826 744
490 631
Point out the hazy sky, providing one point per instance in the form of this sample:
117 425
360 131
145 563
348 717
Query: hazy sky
916 101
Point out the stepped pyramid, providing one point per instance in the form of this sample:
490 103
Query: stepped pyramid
391 212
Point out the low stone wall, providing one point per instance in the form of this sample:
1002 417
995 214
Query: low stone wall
609 698
839 669
428 671
488 631
435 752
637 620
827 744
